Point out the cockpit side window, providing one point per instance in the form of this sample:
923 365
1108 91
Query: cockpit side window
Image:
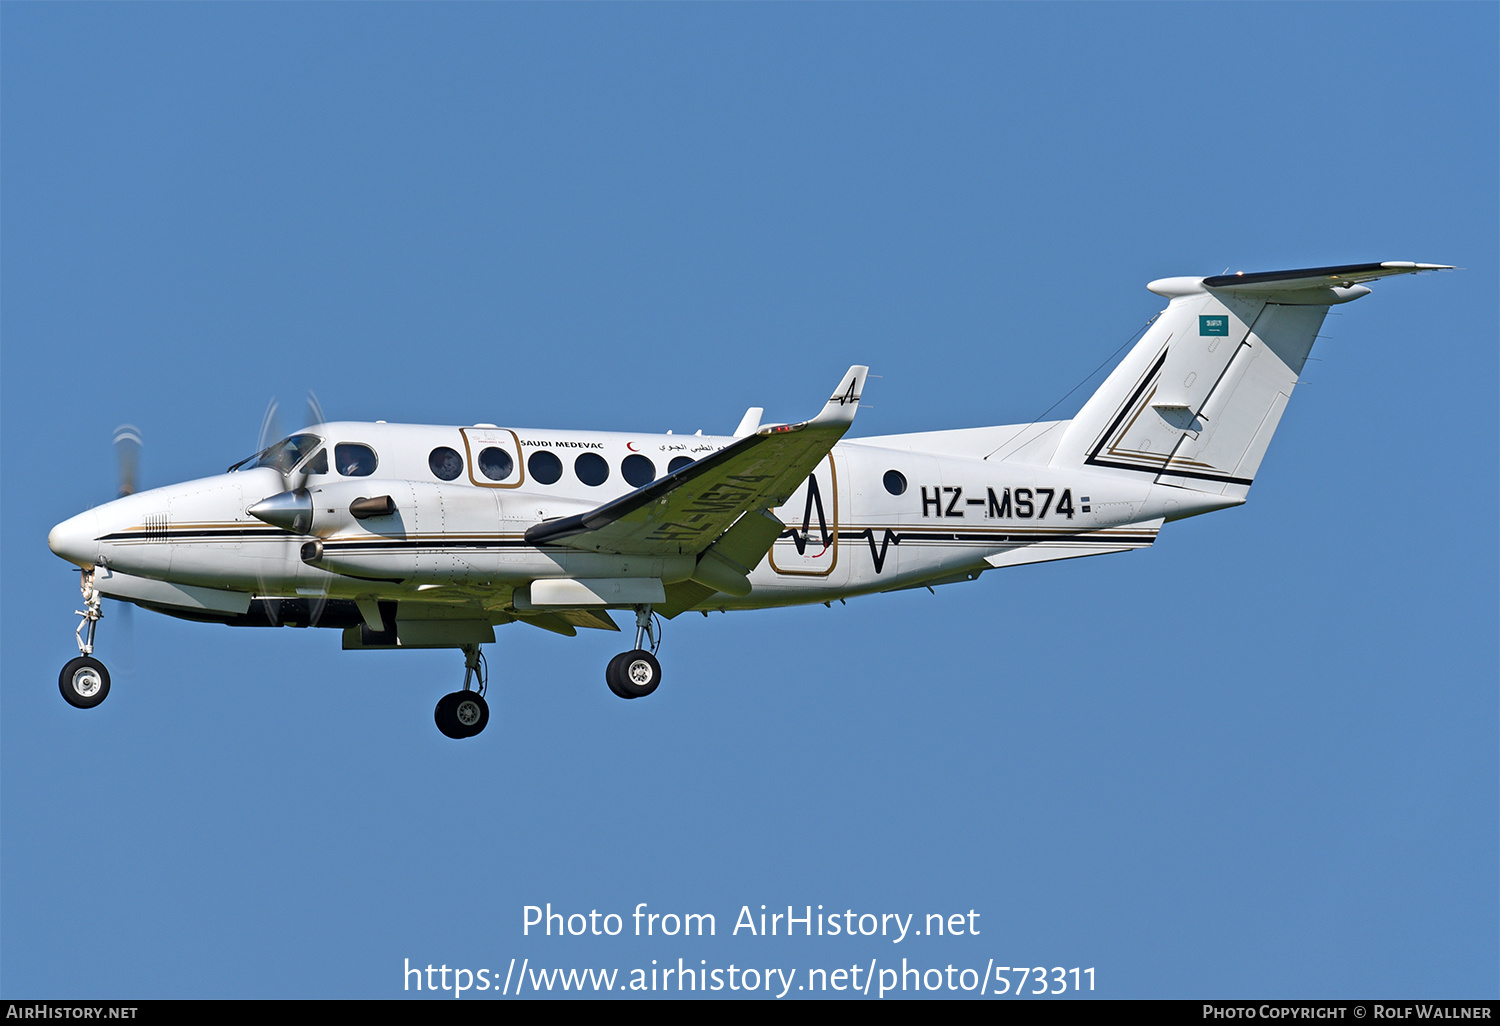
353 459
284 455
318 464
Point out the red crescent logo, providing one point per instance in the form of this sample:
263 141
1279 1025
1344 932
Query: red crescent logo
631 447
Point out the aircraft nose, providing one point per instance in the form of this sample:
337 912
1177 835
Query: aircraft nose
75 539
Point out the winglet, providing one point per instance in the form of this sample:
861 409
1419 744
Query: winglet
750 422
844 402
838 412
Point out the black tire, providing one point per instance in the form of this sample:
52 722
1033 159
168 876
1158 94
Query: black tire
84 682
443 717
638 673
613 676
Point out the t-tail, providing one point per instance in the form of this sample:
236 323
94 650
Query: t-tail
1195 403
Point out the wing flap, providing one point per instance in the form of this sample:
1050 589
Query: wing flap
595 619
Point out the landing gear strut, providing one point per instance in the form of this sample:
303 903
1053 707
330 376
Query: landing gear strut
465 713
635 674
84 682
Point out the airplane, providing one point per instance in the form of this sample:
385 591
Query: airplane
418 536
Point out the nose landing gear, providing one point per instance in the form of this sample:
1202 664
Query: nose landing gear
84 682
466 713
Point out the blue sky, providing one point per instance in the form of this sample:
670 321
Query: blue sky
1258 759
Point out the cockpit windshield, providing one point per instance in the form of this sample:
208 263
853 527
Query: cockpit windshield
282 456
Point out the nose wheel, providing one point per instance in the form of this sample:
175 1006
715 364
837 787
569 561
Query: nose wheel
465 713
84 682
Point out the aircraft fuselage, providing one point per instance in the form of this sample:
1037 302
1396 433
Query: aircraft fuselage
875 515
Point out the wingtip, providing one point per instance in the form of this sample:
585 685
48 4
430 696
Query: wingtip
1407 265
844 402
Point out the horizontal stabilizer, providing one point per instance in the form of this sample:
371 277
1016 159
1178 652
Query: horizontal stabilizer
1340 276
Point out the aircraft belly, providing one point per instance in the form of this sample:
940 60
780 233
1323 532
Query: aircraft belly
133 589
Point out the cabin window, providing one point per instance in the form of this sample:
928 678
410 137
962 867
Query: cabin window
591 469
445 463
638 470
678 462
495 463
895 482
544 466
354 459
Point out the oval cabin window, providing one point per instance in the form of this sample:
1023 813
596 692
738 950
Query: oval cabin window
544 466
445 463
496 464
638 470
591 469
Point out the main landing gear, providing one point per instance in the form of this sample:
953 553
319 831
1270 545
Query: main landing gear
635 674
84 682
466 713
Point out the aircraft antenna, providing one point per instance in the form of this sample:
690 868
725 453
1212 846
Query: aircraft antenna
1107 361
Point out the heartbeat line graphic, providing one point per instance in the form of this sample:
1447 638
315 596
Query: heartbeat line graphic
846 397
825 536
804 538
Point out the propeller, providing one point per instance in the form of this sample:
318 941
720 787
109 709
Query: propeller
270 427
128 460
314 415
271 433
291 508
128 457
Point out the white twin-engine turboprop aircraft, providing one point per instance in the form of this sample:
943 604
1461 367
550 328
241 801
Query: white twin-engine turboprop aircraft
410 536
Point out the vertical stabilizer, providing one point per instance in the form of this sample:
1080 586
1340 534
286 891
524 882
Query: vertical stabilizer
1196 401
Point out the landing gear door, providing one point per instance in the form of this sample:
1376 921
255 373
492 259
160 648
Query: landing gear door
809 547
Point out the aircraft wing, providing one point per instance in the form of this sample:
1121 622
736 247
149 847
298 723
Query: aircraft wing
684 513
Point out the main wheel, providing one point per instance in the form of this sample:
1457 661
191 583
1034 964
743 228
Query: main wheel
84 682
636 674
461 714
